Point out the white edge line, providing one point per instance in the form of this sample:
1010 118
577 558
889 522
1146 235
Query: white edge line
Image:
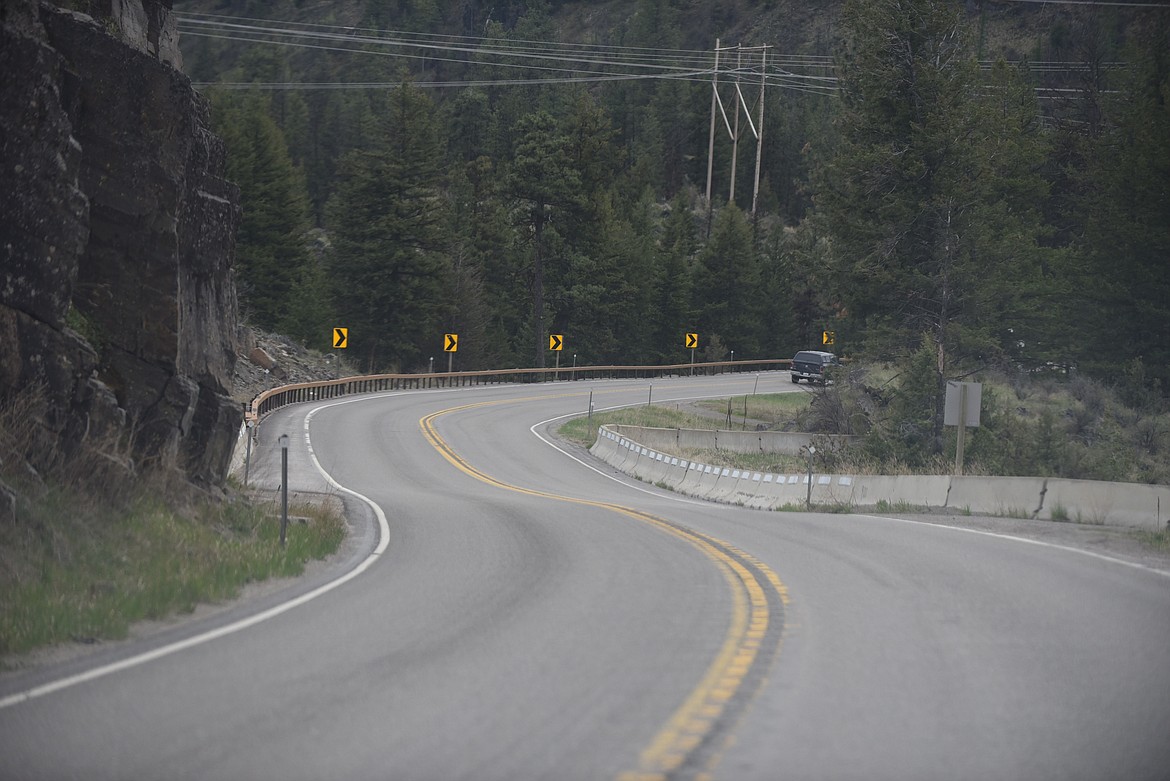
671 495
245 623
719 505
1029 541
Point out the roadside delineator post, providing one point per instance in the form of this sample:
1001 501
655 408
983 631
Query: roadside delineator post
812 451
283 488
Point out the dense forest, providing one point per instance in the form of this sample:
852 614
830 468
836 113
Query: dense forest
987 179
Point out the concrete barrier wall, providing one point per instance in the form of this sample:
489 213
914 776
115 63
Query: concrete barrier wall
240 452
1116 504
1083 501
679 439
1017 497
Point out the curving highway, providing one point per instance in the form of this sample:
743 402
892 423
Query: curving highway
508 608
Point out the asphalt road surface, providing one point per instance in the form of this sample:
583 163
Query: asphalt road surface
507 608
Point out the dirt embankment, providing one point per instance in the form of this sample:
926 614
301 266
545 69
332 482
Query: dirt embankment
270 360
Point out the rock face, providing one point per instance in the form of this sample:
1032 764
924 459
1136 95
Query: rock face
115 219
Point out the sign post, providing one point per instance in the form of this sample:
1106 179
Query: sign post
692 341
450 345
556 343
963 402
961 434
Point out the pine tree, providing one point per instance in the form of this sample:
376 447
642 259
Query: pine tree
610 312
489 293
1126 214
270 244
727 296
392 280
544 182
798 303
932 193
672 283
310 318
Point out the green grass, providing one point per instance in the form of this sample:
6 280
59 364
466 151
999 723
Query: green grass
776 463
584 432
885 506
1159 540
69 571
836 508
769 408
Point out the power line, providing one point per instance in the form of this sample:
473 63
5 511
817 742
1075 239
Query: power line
564 63
497 48
582 63
530 67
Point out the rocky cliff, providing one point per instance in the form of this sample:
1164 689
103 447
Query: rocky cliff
117 304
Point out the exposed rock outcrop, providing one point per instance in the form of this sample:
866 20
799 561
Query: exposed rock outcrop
115 219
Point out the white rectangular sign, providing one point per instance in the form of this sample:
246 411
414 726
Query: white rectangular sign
974 402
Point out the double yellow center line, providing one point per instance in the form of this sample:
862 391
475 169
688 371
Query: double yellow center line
691 742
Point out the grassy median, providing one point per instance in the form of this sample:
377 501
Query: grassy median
708 414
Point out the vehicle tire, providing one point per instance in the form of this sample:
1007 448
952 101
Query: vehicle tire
796 380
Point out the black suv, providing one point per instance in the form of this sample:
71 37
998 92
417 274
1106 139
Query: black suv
809 365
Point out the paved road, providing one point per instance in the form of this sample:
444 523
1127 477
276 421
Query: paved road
526 613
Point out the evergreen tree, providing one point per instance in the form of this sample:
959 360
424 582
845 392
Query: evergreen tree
671 283
270 244
1125 292
798 133
610 304
471 124
490 295
392 279
904 84
932 193
1012 281
727 295
797 289
310 317
544 182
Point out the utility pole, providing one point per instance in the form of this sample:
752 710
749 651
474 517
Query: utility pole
735 129
756 127
711 137
760 127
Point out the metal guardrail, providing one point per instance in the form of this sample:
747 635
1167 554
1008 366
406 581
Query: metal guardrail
275 398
